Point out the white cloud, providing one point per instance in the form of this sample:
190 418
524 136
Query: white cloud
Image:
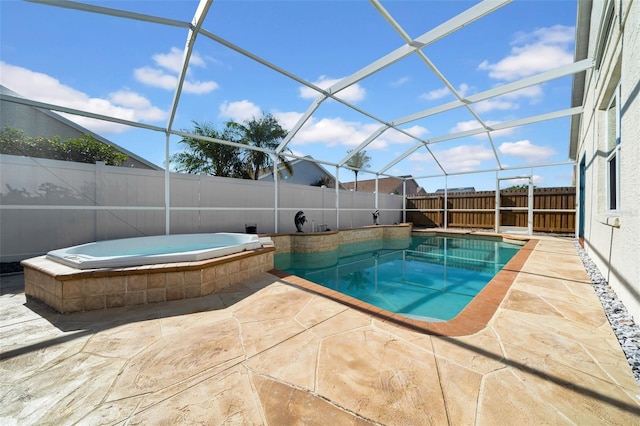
436 94
464 126
525 149
495 104
144 109
287 119
123 104
199 87
335 132
130 99
531 92
155 78
507 102
353 93
158 78
443 92
328 131
557 34
463 158
240 111
532 53
421 157
399 82
166 76
417 131
527 61
172 61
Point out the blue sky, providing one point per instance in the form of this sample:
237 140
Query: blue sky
127 69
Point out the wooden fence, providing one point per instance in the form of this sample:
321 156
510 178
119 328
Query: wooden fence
553 209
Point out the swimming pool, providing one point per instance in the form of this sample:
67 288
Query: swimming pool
430 278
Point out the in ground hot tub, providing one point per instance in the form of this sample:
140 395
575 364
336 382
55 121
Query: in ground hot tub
137 271
154 250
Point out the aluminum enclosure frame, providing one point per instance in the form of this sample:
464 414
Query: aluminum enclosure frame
195 29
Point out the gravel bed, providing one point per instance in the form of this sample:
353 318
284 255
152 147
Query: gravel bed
622 323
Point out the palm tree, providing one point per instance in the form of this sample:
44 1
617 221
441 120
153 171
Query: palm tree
266 133
209 157
360 160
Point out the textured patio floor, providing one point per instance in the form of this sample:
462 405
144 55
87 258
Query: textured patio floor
266 352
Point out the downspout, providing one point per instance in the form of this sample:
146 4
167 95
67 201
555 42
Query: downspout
530 204
404 201
377 194
167 186
446 202
276 192
337 197
497 214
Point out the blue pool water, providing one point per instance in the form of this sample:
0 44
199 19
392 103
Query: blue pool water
431 278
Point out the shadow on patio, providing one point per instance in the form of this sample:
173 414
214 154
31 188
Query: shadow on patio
272 353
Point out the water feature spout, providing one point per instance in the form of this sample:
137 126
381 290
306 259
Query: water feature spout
299 220
376 215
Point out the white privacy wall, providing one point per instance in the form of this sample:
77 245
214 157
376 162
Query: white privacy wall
49 204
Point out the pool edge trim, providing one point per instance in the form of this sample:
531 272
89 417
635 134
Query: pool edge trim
473 318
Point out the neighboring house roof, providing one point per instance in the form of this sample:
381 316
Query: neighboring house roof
38 121
305 172
451 190
387 185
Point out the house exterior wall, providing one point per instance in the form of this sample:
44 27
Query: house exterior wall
35 123
412 187
612 237
304 173
386 185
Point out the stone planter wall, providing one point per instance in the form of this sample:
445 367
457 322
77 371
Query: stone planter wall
331 240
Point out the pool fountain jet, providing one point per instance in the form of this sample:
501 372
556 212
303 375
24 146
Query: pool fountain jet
299 220
376 215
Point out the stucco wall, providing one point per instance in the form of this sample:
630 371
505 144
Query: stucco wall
612 240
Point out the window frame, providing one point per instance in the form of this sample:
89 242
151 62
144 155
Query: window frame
613 154
604 33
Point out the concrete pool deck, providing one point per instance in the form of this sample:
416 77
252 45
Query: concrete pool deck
266 352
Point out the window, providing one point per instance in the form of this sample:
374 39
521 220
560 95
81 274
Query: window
606 26
613 151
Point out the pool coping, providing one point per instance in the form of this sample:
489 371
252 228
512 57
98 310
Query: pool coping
473 318
62 272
